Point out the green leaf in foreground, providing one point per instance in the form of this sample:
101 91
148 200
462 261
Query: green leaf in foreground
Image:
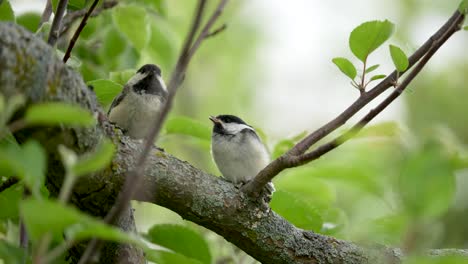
105 90
28 162
55 113
6 12
96 160
400 60
368 36
9 200
10 254
187 126
345 67
48 216
170 236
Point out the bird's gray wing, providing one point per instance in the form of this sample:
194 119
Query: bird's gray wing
119 98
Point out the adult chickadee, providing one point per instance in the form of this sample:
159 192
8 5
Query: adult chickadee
237 150
135 109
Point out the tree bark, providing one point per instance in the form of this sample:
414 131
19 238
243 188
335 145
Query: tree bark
29 66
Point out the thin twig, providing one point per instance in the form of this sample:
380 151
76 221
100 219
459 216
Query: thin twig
362 101
78 31
216 31
56 24
73 16
8 183
296 157
133 178
23 233
206 29
24 240
46 13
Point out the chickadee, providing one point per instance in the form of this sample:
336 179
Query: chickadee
137 106
237 150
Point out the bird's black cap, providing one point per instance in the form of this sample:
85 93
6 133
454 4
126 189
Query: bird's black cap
150 68
230 119
219 120
150 84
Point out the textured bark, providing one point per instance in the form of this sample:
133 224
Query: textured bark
29 66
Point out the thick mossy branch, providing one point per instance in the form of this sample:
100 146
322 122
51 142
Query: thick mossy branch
29 66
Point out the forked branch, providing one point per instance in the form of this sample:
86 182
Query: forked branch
297 155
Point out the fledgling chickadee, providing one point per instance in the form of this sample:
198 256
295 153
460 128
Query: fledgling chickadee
237 150
137 106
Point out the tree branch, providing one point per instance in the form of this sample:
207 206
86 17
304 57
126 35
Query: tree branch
73 16
8 183
296 157
197 196
78 31
56 23
46 13
134 177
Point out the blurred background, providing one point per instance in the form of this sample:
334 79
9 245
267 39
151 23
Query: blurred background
272 66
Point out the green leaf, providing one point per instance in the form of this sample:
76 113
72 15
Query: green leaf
465 28
29 20
97 160
164 257
6 12
106 90
121 77
28 162
368 36
384 129
388 230
9 201
41 217
73 61
159 6
76 4
170 236
163 45
281 147
378 77
427 182
10 107
309 188
187 126
55 5
55 113
400 60
463 7
113 45
345 67
296 211
95 228
372 68
133 22
10 254
286 144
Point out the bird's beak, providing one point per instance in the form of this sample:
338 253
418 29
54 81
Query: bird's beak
215 120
